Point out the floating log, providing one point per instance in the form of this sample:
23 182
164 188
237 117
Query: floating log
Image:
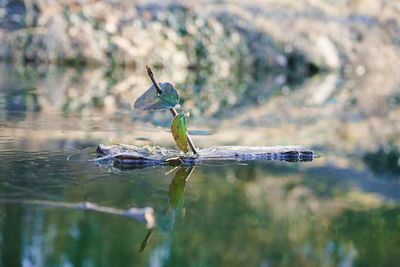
155 155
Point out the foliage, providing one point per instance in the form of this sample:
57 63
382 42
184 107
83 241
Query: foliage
167 99
152 100
178 129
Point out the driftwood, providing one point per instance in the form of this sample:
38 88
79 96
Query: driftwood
154 155
145 215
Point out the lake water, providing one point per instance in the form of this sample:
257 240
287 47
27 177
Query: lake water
342 209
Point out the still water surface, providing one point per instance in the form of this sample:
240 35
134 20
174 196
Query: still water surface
334 211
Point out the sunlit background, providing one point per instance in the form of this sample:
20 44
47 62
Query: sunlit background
319 73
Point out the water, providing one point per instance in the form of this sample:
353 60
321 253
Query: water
339 210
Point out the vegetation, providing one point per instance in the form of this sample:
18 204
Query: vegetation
161 97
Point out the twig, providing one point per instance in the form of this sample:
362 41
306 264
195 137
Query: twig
145 215
173 110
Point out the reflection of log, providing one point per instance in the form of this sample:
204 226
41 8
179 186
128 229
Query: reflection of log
153 155
144 215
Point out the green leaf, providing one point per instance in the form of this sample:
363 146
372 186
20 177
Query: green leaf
177 188
151 100
178 128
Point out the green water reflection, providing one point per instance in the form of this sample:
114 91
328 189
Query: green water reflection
259 214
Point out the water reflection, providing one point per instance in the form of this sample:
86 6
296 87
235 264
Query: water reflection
144 215
340 209
175 200
177 188
275 213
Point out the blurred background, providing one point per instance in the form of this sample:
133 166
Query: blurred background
320 73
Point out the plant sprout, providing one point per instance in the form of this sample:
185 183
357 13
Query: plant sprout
162 96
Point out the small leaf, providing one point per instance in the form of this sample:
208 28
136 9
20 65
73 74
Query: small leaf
178 128
151 100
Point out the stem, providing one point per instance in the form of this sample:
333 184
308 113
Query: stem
173 110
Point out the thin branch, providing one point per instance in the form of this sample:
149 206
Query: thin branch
173 110
151 75
144 215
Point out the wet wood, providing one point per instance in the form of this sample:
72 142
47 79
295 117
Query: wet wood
155 155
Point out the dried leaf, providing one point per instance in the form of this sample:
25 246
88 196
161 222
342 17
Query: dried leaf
178 128
151 100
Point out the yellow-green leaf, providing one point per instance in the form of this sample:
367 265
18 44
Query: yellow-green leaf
178 129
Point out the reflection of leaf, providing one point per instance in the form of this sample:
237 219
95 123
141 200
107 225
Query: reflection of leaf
177 188
151 100
178 128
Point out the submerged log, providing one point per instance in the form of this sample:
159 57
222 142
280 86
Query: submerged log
156 155
145 215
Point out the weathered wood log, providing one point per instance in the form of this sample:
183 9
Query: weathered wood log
156 155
